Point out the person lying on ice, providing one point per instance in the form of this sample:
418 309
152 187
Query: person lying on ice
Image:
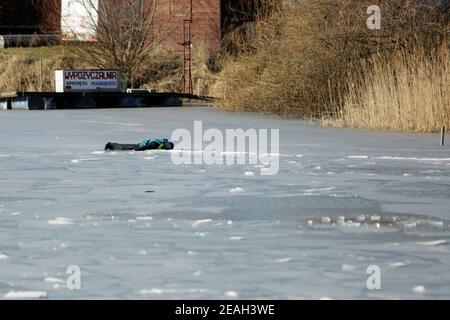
151 144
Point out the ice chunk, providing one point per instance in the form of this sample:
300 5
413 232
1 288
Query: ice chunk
3 256
436 224
341 221
326 220
249 173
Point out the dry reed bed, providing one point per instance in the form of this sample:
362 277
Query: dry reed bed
304 58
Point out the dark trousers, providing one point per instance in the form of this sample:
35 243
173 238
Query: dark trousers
121 147
130 147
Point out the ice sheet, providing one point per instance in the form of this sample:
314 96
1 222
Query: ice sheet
139 226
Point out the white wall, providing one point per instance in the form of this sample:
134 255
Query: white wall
79 19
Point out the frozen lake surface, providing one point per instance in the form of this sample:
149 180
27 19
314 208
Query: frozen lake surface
141 227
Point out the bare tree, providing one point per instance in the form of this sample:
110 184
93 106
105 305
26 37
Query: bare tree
123 38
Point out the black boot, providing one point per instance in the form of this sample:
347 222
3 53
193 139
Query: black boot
109 147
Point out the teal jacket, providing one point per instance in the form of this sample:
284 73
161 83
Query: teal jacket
147 142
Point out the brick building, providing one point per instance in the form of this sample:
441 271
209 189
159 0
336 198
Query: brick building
211 18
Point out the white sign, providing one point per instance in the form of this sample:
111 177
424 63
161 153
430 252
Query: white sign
88 80
79 19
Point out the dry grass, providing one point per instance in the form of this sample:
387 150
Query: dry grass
408 91
302 56
161 69
21 67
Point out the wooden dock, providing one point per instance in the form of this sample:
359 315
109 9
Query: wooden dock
94 100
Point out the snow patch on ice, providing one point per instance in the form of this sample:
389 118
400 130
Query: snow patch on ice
419 289
432 243
414 159
26 295
201 234
397 264
319 190
237 190
200 223
436 224
3 256
348 268
144 218
154 291
76 161
54 280
159 292
61 222
359 157
232 294
284 260
249 173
